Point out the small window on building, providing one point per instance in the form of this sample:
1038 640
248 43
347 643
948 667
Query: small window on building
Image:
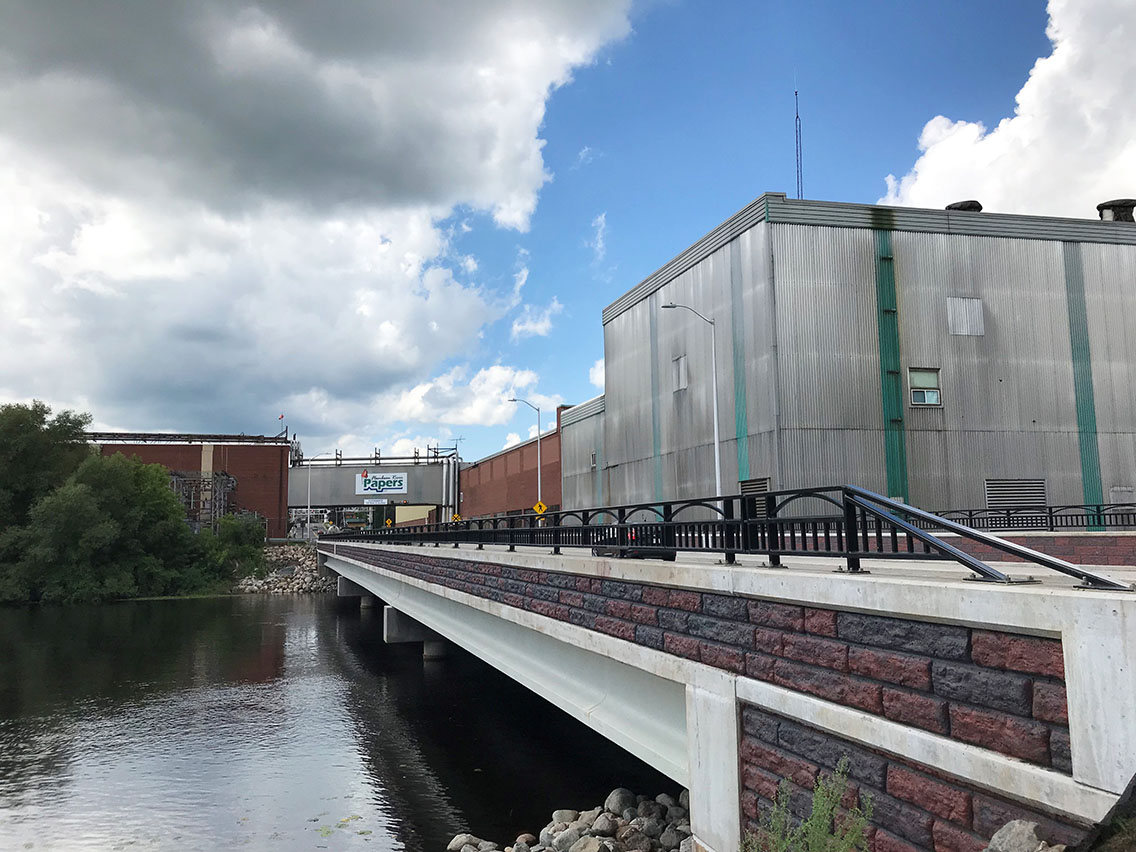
964 316
924 382
593 460
679 369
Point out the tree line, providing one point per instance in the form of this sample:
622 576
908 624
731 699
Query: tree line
80 527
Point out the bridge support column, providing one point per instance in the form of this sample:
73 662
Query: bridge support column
712 745
350 589
398 628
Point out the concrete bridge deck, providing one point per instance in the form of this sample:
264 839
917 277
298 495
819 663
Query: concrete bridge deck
962 704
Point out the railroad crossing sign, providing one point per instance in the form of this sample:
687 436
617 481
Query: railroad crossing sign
540 508
456 517
389 522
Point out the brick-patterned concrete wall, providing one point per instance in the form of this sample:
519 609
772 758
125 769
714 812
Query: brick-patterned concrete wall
996 690
1087 548
913 807
1080 548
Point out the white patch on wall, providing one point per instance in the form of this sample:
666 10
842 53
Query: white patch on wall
964 316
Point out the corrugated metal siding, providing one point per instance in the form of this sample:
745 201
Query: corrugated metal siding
581 485
741 221
1008 402
958 222
1110 300
582 411
776 207
965 316
826 315
686 417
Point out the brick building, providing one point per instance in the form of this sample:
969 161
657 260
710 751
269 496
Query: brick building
505 482
257 465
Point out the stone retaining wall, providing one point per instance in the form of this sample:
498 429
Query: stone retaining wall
999 691
913 808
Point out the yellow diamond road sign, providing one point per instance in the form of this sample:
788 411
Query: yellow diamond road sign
456 517
389 522
540 508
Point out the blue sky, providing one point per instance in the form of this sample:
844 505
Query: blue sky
384 219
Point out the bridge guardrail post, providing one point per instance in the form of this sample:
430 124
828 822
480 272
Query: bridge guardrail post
729 532
509 525
746 512
556 535
669 536
851 535
772 534
621 530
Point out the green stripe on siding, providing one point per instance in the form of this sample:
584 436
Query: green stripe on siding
656 429
1082 375
737 327
891 377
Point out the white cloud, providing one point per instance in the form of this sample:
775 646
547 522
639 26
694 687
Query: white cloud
511 440
596 373
585 156
248 215
482 401
1071 142
598 243
534 322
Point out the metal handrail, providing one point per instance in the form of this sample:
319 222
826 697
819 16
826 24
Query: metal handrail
1087 578
868 525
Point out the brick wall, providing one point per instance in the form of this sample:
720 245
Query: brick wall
996 690
1087 548
261 471
506 482
914 808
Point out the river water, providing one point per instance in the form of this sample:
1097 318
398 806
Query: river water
277 723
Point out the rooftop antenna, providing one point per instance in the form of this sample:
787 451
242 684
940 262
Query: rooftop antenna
800 171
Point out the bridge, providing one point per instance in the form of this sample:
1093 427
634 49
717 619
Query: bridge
775 634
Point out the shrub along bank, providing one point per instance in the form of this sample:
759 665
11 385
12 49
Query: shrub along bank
77 527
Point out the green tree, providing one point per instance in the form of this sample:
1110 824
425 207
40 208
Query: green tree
113 530
235 550
37 453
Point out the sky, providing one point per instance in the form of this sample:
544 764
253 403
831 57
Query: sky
384 219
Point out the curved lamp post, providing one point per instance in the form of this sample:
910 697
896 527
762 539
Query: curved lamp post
714 381
537 410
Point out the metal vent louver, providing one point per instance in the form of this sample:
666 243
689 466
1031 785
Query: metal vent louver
1015 493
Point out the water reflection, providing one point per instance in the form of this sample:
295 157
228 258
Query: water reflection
271 723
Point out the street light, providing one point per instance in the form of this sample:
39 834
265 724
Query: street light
537 410
308 516
714 381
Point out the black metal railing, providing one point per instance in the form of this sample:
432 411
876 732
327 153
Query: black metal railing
845 522
1083 516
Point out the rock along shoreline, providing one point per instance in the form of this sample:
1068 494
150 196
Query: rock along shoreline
624 823
291 570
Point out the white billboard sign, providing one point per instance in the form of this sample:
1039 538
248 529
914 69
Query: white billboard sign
380 483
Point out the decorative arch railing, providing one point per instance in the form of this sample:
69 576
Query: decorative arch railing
846 522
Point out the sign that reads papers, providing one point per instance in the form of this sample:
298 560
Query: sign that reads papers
380 483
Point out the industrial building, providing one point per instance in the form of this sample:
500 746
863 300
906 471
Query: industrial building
949 358
369 491
506 483
215 474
